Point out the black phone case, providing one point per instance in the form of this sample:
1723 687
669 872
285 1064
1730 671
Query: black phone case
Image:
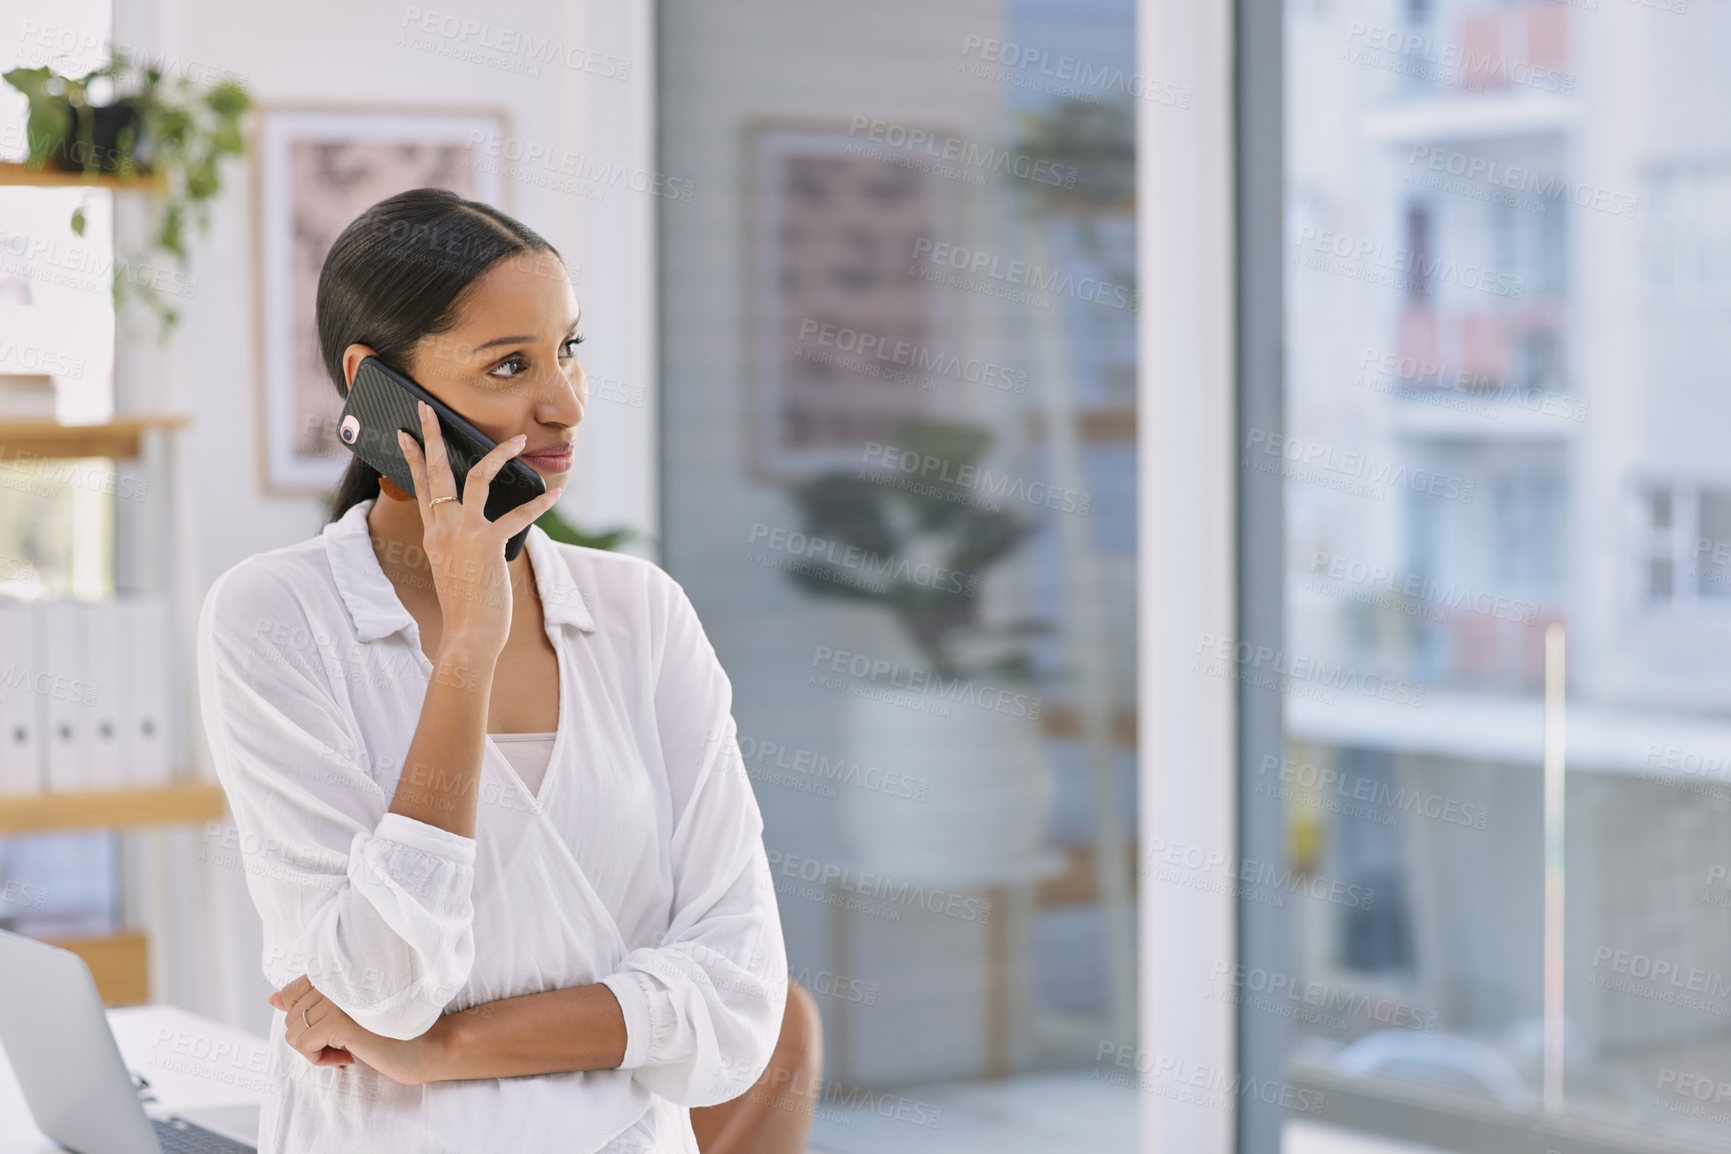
382 400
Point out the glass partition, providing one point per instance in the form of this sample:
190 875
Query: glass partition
898 363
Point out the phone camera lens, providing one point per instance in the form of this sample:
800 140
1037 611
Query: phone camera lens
350 429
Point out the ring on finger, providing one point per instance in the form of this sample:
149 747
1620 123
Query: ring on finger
304 1021
436 500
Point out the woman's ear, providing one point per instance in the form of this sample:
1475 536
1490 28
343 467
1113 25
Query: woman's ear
352 358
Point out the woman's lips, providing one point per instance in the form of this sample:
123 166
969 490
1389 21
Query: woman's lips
553 460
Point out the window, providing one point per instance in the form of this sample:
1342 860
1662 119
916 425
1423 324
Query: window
1528 448
1689 240
1683 545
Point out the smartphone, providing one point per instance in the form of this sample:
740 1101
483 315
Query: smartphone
382 400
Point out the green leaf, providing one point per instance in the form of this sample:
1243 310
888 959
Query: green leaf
560 530
78 221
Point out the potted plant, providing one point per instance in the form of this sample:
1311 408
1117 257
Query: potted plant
919 545
912 527
562 530
143 124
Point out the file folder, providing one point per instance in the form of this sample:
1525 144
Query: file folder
22 765
106 674
145 689
66 692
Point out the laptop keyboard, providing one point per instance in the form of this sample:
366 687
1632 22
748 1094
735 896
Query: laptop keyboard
178 1136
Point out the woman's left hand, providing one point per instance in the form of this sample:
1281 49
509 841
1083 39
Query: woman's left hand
326 1036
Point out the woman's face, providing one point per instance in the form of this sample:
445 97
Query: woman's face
509 364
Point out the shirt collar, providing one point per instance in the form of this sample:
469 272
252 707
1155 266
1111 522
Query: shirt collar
372 602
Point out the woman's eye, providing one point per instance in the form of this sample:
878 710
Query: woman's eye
517 364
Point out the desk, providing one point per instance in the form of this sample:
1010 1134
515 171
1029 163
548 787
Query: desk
201 1069
211 1073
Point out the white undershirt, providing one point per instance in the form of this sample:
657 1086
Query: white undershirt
528 754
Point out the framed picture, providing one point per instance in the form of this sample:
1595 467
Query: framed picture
842 336
316 168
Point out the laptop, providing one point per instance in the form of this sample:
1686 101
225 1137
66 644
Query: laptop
67 1063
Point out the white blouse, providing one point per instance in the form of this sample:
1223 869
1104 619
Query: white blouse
638 863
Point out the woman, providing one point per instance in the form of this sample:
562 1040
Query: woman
509 863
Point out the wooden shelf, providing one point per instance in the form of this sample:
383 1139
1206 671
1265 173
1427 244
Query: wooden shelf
101 809
119 964
116 438
1094 426
14 173
1078 884
1066 722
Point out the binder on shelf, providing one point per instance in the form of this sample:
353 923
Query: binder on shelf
106 673
66 691
143 629
22 766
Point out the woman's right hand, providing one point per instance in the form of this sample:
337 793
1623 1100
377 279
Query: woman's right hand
465 551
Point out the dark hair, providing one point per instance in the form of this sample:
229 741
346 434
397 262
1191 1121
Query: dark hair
395 275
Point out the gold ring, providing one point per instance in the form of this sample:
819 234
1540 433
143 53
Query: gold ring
436 500
304 1021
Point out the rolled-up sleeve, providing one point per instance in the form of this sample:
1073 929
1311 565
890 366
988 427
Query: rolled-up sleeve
703 1007
374 907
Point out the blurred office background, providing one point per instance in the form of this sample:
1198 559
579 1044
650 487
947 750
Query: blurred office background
869 320
860 304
